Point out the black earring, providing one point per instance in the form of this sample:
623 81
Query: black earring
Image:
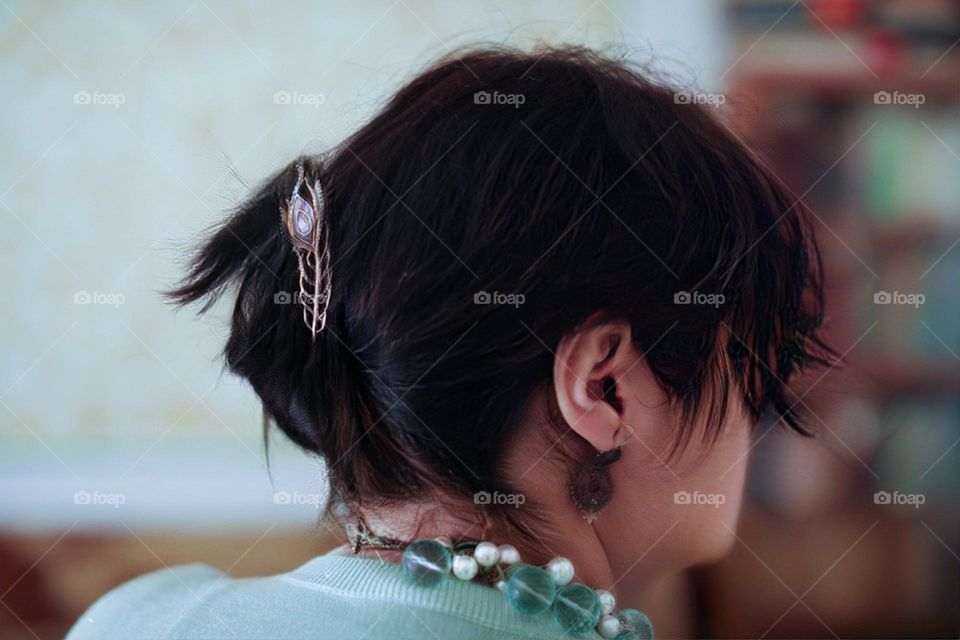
591 487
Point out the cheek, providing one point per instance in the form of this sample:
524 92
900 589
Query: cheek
688 505
710 492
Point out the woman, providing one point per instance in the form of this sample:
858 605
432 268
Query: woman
528 315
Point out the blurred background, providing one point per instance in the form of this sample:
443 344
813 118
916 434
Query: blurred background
128 128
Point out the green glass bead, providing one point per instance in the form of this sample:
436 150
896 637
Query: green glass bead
426 562
530 590
636 625
577 608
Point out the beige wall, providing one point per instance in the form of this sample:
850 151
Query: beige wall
124 129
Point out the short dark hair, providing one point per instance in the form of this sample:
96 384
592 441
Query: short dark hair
563 176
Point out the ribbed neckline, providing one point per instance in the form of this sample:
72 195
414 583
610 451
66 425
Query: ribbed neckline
371 579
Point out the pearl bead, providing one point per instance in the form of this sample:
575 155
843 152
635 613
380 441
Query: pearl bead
486 554
465 567
509 554
501 584
609 626
607 601
561 570
445 541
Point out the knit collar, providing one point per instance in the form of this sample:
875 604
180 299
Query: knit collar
370 579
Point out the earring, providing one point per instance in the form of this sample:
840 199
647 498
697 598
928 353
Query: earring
591 487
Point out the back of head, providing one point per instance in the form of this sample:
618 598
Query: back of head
499 201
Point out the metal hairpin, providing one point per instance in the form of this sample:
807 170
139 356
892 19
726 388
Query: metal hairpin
305 221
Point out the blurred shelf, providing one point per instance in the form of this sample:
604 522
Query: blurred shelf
802 93
901 376
940 83
910 230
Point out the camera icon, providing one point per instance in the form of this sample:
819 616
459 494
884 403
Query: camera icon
882 297
81 97
481 97
682 97
281 97
681 297
281 497
882 497
81 497
482 297
282 297
681 497
882 97
482 497
81 297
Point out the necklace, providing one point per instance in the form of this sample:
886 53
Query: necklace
529 589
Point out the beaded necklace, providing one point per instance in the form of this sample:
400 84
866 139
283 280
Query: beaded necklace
529 589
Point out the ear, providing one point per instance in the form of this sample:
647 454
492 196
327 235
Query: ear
585 375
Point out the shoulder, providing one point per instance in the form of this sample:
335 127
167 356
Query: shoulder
328 599
147 607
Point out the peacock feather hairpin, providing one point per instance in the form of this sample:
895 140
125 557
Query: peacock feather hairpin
305 222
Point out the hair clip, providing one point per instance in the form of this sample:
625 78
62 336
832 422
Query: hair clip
305 223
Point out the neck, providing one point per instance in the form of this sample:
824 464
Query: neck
558 530
541 476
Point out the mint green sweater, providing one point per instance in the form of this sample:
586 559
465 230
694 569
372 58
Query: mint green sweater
334 596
